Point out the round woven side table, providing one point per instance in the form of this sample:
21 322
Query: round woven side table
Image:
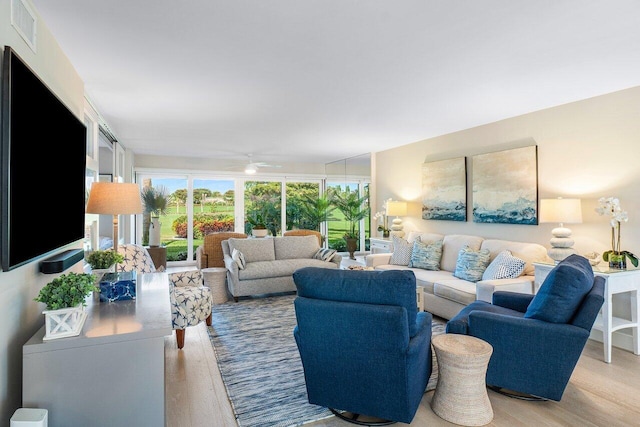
461 393
215 278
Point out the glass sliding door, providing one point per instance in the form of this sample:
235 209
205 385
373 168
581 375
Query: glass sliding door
213 207
263 206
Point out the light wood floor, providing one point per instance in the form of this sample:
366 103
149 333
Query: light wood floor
598 394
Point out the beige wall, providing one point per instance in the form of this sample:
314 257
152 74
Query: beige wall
20 316
586 149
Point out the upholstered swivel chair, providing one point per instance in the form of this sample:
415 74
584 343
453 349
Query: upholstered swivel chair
365 348
537 340
191 301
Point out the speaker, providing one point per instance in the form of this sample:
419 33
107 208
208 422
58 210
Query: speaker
60 262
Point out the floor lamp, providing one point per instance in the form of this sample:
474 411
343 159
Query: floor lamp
561 211
114 198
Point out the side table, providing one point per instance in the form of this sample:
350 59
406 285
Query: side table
616 282
215 278
158 255
380 245
461 393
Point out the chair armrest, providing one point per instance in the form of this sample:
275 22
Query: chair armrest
424 321
377 259
513 300
201 258
527 336
187 278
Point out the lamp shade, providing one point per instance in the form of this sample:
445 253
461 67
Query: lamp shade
561 211
114 198
396 208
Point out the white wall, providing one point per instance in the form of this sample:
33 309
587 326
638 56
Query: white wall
20 316
586 149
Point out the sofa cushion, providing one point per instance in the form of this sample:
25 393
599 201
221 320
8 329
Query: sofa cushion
471 264
562 291
426 255
425 237
401 251
529 252
504 266
279 268
256 249
290 247
457 290
451 245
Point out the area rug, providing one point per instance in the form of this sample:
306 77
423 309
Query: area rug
260 364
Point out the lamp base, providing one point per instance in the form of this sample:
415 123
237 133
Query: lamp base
561 244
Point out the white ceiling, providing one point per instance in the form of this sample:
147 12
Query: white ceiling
320 80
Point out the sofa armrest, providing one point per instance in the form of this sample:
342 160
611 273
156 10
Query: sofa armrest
377 259
337 259
486 288
232 270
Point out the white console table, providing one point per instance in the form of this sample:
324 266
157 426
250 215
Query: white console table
112 374
380 245
616 281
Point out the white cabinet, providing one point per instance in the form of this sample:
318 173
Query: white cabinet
380 245
112 374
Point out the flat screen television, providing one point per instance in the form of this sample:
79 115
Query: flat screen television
43 161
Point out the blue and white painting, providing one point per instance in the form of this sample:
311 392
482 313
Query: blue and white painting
505 186
444 190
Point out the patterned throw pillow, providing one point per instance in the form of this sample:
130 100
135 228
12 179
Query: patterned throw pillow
325 254
401 251
426 255
237 256
471 264
504 266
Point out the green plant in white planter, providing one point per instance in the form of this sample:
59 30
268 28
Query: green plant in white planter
101 260
65 297
156 202
67 290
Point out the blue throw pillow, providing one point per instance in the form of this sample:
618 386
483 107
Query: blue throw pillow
562 291
471 264
426 255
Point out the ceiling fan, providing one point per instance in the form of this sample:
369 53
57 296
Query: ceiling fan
252 167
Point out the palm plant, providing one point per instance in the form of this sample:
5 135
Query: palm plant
353 207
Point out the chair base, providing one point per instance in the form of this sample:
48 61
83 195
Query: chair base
517 395
350 417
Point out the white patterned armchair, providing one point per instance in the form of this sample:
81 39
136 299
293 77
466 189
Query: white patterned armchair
191 301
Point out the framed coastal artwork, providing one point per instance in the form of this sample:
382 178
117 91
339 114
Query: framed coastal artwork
505 186
444 190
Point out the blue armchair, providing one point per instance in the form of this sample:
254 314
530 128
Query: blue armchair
537 340
365 348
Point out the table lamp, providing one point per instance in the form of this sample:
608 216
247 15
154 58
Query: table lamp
561 211
114 198
397 209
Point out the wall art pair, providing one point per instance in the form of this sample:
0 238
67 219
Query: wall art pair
504 187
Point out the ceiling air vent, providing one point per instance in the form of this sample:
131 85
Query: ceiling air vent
23 19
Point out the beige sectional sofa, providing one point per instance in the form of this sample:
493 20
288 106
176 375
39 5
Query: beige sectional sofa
444 294
270 263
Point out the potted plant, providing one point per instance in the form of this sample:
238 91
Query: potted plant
354 208
65 298
102 262
258 226
156 202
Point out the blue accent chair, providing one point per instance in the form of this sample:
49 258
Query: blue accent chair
537 339
364 346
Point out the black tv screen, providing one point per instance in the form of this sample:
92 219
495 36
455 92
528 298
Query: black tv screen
43 168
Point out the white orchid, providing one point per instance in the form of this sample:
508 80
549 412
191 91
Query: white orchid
610 206
382 214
